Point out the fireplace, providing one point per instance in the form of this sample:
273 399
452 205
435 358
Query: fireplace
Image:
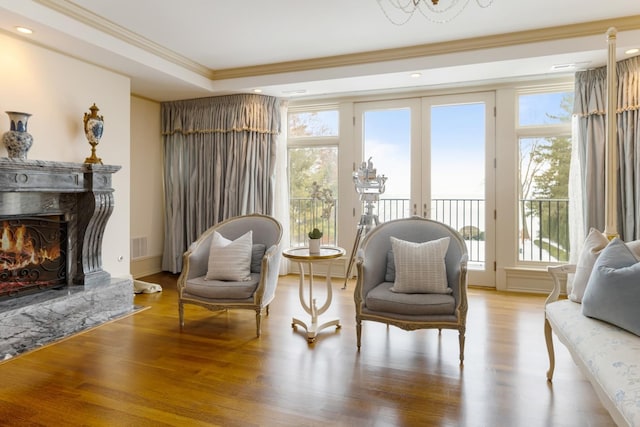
32 254
79 193
52 221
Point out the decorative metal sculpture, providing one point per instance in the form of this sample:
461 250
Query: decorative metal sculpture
369 186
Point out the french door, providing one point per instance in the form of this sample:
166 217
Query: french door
438 156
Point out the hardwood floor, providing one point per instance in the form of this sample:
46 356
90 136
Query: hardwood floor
142 370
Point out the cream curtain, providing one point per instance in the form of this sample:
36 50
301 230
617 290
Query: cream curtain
220 161
590 108
282 187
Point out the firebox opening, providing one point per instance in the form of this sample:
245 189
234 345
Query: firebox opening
33 254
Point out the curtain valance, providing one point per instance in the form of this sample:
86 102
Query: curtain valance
222 114
591 138
591 98
220 161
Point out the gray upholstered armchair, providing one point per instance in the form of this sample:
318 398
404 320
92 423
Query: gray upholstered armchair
409 308
197 286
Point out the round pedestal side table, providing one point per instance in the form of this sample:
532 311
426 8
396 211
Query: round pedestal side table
302 256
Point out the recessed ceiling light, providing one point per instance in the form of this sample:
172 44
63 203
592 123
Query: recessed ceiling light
257 91
415 75
632 51
24 30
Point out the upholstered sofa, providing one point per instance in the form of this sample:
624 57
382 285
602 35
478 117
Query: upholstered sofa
608 355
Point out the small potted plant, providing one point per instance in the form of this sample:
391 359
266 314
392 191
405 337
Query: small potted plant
314 241
325 196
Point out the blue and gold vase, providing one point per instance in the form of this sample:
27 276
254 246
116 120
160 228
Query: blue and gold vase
17 139
93 126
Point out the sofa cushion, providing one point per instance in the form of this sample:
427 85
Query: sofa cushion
230 260
381 298
420 267
613 290
222 289
607 355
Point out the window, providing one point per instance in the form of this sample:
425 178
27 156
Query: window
313 158
544 137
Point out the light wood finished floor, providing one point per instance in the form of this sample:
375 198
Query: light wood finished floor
143 371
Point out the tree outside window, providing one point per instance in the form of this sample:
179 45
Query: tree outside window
312 158
545 156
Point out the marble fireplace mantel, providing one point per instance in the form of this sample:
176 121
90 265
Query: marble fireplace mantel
81 192
83 195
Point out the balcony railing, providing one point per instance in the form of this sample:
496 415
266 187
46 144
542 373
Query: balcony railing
305 214
544 230
543 236
467 217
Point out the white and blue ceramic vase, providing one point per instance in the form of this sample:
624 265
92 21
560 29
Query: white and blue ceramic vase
17 139
93 126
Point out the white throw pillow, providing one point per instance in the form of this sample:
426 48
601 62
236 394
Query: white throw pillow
593 245
420 267
230 260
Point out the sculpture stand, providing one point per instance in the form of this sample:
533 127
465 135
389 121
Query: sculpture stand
369 186
367 221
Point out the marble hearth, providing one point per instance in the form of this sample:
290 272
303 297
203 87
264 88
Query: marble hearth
82 195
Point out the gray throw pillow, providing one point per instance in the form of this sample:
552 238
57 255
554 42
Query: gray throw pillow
257 252
613 290
390 274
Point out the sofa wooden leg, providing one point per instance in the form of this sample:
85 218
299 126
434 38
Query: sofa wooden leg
548 336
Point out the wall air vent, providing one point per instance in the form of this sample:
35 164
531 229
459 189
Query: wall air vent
139 247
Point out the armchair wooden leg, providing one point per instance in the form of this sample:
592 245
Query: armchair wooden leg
359 332
461 339
181 314
258 321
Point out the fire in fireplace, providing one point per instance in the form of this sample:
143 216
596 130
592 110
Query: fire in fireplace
33 254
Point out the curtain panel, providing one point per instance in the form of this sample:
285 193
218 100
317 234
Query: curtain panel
219 162
590 109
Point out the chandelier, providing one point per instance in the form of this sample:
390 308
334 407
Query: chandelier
399 12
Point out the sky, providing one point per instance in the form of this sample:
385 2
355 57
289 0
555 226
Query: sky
457 145
457 150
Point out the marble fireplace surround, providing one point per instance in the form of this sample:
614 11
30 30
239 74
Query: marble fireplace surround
82 193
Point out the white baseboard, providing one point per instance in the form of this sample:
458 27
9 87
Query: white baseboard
145 266
529 280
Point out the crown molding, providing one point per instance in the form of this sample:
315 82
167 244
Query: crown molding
455 46
424 50
89 18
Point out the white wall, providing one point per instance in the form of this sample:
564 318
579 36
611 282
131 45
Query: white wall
147 201
58 90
